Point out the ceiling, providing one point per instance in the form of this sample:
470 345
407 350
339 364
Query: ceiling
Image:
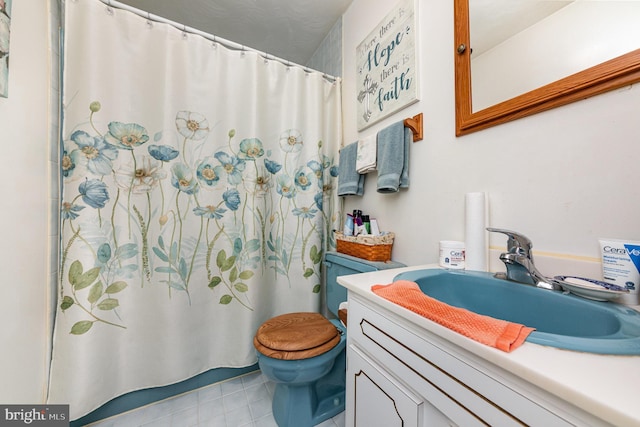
288 29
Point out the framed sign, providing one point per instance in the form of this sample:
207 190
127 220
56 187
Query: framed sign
5 25
386 78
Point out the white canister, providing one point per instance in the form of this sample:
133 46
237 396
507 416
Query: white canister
452 254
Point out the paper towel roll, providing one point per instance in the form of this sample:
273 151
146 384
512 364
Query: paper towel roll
476 235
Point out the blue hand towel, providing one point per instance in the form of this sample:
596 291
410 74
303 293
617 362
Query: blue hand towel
393 157
350 182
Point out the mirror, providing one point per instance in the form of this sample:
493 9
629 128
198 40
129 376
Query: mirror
571 86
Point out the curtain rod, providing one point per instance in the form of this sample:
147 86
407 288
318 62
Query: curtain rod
224 42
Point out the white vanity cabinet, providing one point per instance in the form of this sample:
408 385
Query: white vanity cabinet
401 375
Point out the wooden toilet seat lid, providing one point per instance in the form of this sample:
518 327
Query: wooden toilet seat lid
295 336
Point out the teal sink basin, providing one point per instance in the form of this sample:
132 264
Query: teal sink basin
561 320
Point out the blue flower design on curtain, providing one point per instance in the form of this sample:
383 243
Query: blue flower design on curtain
237 194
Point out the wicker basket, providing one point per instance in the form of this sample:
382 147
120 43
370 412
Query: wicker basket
371 248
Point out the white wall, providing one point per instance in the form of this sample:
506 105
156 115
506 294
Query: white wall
24 177
564 177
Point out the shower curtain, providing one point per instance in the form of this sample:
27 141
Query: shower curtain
198 198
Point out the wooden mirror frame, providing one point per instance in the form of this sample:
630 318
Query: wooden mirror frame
621 71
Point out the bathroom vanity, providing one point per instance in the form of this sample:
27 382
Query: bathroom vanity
405 370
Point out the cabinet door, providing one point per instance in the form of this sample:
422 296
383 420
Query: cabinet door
375 398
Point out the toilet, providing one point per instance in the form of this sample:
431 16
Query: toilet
304 353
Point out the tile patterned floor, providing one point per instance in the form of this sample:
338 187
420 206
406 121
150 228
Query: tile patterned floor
238 402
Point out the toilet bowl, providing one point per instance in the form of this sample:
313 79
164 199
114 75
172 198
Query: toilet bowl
305 353
309 370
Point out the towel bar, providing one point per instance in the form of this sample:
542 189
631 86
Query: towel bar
415 124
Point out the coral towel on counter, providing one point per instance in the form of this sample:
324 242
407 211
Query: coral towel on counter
503 335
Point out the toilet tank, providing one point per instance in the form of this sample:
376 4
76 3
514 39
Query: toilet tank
337 264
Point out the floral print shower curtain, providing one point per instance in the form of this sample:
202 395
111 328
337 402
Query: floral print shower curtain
198 198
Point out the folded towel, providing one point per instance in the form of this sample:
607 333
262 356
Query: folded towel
503 335
393 157
350 182
367 153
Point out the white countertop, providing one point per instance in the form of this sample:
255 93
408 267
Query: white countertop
606 386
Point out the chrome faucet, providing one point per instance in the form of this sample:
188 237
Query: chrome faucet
519 262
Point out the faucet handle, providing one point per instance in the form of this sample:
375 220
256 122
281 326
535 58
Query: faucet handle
517 243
